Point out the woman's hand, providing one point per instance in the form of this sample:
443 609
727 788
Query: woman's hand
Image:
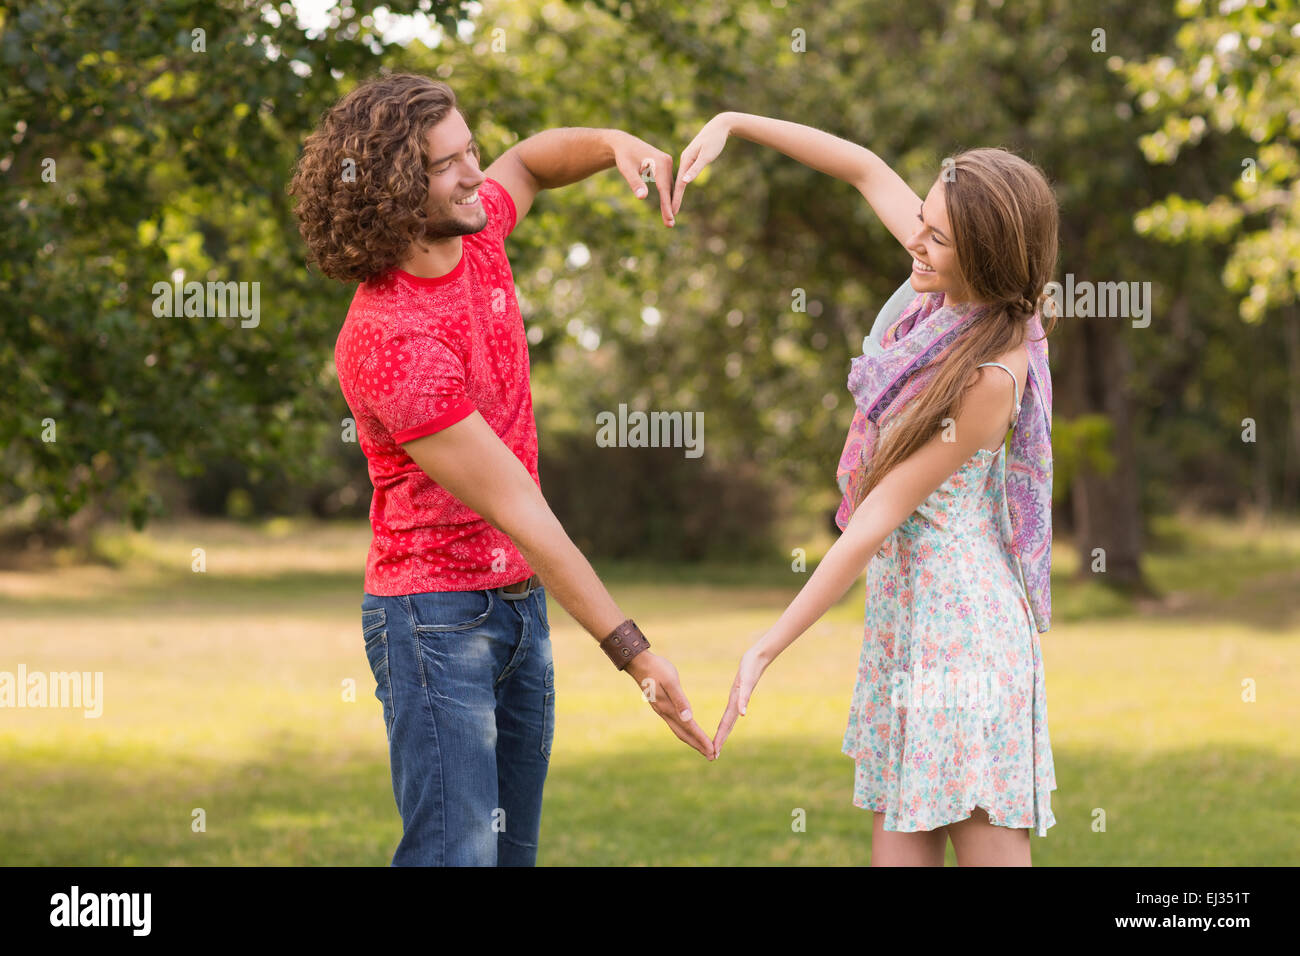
752 665
703 149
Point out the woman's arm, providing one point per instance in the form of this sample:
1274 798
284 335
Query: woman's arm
984 410
889 196
815 148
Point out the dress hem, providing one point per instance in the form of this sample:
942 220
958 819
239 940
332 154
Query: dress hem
1040 827
1044 818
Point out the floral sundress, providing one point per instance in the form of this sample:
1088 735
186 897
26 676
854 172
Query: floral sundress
949 711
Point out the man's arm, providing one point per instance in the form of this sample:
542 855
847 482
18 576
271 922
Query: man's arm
559 157
471 462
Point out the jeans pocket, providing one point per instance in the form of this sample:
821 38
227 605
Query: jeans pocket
372 624
375 639
438 612
541 609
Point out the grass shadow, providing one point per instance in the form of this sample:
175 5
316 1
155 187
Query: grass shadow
296 804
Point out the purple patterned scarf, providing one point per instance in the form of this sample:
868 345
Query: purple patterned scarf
888 377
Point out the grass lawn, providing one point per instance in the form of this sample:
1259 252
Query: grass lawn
225 693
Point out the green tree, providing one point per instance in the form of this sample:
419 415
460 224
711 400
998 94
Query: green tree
169 159
1235 72
148 143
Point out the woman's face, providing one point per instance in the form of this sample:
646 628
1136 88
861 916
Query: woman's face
934 256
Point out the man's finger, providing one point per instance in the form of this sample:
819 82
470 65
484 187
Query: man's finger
681 710
633 177
672 688
705 741
685 736
670 704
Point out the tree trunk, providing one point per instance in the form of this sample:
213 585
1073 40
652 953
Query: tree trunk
1096 364
1291 455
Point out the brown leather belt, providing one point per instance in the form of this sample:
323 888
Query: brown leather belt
523 588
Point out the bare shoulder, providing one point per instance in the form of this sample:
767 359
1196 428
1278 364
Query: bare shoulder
990 399
1018 361
990 379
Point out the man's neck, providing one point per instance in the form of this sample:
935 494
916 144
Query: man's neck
432 260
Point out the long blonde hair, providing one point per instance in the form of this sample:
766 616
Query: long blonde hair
1004 220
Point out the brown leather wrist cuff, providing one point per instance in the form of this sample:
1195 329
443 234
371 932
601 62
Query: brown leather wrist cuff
624 643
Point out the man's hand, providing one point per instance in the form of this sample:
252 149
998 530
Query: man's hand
558 157
631 155
657 678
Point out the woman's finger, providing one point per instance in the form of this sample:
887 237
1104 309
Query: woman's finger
688 157
728 721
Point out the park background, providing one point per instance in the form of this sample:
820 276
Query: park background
1173 664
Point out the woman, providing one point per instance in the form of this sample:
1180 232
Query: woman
948 725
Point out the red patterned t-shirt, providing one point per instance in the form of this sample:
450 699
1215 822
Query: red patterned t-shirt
414 356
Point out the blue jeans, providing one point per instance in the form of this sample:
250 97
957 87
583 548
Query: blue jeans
467 685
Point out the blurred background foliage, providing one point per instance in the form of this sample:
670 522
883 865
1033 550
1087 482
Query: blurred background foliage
172 162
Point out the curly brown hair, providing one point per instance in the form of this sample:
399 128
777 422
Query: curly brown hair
362 181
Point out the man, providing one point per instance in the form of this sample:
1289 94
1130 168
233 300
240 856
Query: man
433 362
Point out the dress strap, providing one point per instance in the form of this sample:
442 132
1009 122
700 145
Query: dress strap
1014 385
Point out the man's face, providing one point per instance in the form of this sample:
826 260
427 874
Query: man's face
453 206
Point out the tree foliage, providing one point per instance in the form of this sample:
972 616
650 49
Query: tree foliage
136 156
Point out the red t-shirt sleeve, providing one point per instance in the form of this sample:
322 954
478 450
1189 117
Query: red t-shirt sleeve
415 386
500 208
